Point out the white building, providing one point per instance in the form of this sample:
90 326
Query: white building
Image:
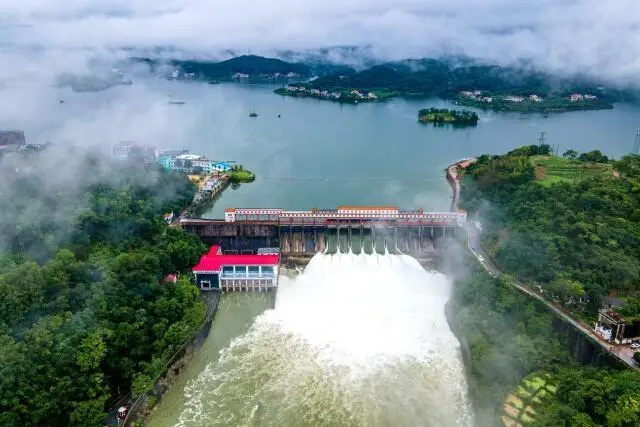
512 98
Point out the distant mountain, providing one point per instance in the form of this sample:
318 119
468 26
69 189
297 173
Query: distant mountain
245 66
352 57
96 82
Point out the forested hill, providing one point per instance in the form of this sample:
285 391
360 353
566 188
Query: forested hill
84 315
571 224
251 65
411 77
433 77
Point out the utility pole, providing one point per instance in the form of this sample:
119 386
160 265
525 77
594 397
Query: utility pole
541 139
636 142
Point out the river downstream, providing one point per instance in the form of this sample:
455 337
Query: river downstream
356 340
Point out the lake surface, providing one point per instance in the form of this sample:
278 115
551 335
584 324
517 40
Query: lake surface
317 153
321 154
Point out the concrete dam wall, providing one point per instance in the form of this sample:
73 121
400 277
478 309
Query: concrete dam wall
249 236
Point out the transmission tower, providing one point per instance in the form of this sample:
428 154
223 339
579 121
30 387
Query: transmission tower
636 142
541 141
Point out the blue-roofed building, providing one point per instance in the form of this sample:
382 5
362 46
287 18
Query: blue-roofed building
221 166
167 162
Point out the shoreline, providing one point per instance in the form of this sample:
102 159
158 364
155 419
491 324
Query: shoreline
145 405
456 100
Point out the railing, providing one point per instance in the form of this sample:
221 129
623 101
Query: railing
264 275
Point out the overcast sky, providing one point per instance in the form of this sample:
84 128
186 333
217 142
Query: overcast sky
595 36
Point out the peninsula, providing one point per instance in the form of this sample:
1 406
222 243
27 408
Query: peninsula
532 103
448 117
462 81
483 86
540 264
353 96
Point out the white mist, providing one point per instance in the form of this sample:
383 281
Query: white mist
355 340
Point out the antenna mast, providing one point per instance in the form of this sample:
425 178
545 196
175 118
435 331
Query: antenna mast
636 142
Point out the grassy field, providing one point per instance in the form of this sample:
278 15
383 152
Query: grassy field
551 169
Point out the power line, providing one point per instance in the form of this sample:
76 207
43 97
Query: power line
345 179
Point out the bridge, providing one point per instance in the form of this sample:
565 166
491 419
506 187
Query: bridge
359 228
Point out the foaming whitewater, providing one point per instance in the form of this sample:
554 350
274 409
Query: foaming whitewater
355 340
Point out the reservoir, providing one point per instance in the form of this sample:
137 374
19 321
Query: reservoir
356 340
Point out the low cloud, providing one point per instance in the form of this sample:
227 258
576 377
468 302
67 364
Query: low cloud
590 36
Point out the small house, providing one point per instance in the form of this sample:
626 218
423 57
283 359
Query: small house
231 272
614 328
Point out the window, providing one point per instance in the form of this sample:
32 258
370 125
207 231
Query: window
267 270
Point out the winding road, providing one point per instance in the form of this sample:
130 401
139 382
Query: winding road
473 243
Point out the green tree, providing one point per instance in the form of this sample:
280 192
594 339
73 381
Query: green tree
571 154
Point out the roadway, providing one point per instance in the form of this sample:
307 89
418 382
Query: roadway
622 352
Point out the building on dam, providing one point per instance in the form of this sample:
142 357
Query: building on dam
238 272
359 228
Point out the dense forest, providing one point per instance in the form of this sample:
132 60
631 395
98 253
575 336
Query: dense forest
578 236
508 336
84 313
412 77
570 225
254 66
433 77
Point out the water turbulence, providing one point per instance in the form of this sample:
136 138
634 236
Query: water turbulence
355 340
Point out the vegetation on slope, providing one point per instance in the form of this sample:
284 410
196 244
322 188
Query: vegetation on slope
239 174
508 340
254 66
84 316
432 77
575 235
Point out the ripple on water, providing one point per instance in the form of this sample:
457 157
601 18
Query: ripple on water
355 340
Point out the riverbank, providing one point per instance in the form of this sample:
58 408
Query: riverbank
236 313
209 190
141 410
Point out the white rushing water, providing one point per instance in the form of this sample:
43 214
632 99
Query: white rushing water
355 340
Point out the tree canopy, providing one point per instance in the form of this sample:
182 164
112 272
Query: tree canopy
575 238
84 313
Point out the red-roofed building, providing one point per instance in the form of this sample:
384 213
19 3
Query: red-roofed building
226 272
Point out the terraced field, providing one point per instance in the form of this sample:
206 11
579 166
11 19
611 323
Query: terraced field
520 406
552 169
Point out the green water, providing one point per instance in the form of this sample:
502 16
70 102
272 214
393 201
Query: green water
235 315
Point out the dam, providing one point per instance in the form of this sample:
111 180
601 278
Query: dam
361 229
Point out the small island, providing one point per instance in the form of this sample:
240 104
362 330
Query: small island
238 174
458 118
